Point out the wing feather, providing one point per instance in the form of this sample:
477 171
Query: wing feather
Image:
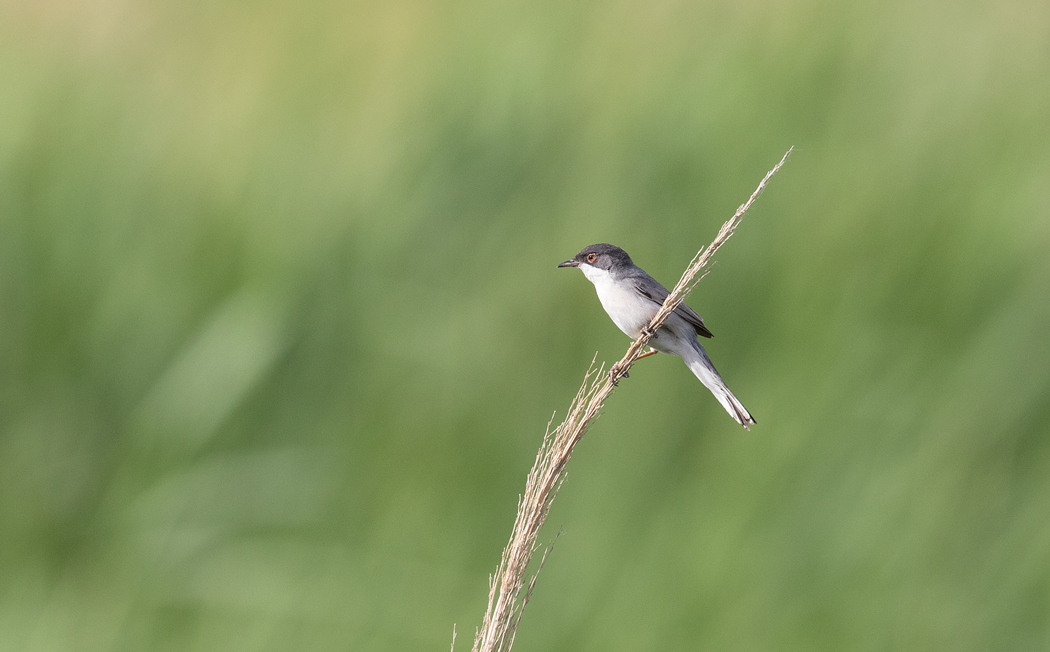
659 293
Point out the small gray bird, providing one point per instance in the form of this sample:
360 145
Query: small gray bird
631 298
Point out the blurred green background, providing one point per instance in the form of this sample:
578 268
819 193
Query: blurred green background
281 328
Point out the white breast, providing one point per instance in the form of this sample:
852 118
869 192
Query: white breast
629 310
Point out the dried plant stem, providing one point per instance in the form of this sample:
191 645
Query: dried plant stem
506 603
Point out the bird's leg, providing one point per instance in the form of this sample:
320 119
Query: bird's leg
646 333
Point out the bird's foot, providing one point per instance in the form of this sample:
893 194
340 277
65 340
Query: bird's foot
646 333
615 374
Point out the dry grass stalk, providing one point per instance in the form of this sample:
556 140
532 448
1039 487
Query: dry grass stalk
505 599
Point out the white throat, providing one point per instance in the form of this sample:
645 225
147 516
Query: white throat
595 275
628 309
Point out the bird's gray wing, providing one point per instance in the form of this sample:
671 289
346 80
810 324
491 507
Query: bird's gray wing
651 289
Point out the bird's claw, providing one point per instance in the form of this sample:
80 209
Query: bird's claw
646 333
614 371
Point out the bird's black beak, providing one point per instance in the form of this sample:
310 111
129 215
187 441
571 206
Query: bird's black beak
569 263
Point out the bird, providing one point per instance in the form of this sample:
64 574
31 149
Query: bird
632 298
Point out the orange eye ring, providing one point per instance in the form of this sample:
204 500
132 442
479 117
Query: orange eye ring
591 258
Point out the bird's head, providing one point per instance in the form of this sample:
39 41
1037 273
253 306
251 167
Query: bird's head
600 256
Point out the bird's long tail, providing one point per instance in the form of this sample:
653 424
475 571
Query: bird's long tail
702 367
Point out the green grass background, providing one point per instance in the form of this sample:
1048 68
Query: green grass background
281 328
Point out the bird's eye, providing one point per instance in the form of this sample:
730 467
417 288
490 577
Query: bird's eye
591 258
